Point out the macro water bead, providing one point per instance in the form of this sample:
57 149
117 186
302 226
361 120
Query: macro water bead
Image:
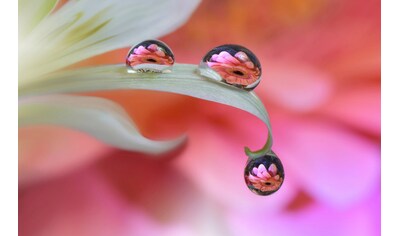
150 56
235 65
264 175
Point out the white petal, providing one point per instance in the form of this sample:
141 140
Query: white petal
184 79
30 13
99 117
82 29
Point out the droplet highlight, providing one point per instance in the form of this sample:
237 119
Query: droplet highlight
233 65
264 175
150 56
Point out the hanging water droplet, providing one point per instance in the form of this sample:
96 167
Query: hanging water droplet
264 175
232 64
150 56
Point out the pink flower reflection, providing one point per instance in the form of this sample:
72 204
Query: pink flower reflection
264 180
235 70
153 54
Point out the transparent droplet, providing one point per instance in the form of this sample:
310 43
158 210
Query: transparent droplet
232 64
150 56
264 175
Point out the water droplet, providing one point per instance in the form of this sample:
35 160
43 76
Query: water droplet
150 56
232 64
264 175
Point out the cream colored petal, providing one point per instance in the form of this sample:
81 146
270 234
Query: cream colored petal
85 28
30 13
184 79
98 117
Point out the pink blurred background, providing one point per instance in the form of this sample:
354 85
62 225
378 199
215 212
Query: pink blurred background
321 86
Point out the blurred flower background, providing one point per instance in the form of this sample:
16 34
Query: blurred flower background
321 86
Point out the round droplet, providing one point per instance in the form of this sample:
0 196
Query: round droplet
150 56
233 64
264 175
